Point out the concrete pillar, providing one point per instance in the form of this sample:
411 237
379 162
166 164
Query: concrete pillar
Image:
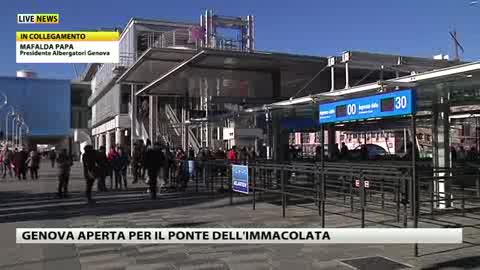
331 140
153 111
441 146
279 140
108 142
184 130
118 137
100 141
133 118
185 117
274 136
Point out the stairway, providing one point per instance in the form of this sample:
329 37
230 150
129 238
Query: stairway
166 131
171 129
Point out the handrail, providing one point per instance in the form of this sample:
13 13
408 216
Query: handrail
174 120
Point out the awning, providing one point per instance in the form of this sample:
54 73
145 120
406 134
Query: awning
168 71
465 76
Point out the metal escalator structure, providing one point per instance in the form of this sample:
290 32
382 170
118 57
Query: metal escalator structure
170 129
165 130
141 127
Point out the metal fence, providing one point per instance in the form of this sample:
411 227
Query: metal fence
384 189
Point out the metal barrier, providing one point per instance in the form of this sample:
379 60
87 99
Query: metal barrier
383 188
386 189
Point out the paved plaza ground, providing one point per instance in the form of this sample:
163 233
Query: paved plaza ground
33 204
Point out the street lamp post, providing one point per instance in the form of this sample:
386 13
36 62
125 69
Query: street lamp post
15 128
20 134
10 111
14 115
23 125
18 131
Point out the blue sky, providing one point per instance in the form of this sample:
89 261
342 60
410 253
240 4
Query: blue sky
315 27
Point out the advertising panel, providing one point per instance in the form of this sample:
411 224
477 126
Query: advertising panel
396 103
240 178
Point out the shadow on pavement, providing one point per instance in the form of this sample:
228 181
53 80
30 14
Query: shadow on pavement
41 206
463 263
34 262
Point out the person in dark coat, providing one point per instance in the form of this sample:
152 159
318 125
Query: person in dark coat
103 169
154 159
7 162
120 165
191 153
53 156
64 163
144 151
137 161
33 163
20 161
90 170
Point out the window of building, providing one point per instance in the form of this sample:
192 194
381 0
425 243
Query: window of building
125 103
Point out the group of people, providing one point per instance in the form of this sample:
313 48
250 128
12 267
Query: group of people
153 162
462 155
99 165
244 155
18 162
150 163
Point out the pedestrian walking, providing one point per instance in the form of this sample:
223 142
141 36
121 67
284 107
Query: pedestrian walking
144 151
33 164
64 162
53 156
169 164
153 163
112 158
182 167
104 169
137 160
90 170
232 154
191 153
120 168
20 161
7 162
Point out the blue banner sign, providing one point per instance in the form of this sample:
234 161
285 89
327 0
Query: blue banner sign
396 103
240 178
191 168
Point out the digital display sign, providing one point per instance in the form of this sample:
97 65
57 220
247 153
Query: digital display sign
397 103
341 111
387 105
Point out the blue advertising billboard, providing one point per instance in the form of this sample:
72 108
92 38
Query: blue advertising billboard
240 178
390 104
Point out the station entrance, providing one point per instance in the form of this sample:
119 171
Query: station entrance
411 188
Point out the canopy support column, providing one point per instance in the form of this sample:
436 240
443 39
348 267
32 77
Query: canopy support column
133 118
441 149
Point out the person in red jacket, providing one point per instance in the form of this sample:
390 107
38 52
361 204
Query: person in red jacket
232 154
112 157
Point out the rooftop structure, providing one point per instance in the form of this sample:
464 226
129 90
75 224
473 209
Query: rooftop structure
189 81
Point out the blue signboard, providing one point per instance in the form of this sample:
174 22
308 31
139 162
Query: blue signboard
396 103
191 168
240 178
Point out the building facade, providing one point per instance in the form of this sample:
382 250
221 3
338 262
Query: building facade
43 104
185 84
109 101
